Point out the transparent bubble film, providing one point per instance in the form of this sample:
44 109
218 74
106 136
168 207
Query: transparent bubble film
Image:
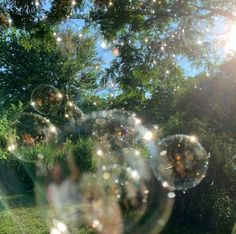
34 133
100 180
103 172
118 116
46 99
181 162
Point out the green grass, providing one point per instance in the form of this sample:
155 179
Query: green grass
18 214
23 220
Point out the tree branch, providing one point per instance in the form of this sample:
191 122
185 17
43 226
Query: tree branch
215 12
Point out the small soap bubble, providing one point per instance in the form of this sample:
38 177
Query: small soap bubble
33 133
181 162
46 99
72 111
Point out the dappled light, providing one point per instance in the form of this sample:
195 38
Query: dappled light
117 116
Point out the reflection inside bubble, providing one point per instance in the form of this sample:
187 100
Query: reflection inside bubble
46 99
34 132
181 163
101 181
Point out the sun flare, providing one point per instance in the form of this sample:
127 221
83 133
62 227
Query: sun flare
231 39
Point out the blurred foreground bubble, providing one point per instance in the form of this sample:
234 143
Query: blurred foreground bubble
34 133
181 162
101 182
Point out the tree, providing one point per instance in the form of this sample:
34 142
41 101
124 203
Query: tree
150 32
204 106
149 37
165 28
27 64
30 15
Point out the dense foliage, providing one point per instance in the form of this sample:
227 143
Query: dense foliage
150 37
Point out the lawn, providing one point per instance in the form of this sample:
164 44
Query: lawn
18 214
22 220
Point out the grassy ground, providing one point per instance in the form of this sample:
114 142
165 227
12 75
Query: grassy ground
18 214
22 220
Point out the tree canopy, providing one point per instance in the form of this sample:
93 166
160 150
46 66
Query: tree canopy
67 44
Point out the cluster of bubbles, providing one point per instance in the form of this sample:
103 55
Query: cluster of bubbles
104 172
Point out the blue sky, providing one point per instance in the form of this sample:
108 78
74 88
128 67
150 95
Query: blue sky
107 55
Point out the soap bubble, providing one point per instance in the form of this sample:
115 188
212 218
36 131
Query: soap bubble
104 183
181 162
72 112
46 99
33 133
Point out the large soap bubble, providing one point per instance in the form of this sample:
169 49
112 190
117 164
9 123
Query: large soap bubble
181 162
104 183
34 133
46 99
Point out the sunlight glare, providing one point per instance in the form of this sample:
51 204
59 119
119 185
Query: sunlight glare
231 39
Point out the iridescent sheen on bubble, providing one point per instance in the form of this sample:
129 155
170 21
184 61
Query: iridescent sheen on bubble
181 162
